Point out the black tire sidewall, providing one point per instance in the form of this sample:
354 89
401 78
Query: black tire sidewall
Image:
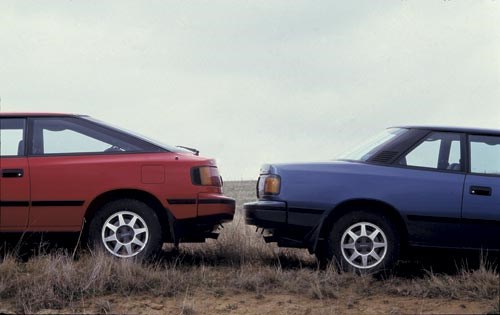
333 248
149 216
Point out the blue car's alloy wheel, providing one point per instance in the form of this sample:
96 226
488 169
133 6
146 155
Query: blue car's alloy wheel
364 245
363 242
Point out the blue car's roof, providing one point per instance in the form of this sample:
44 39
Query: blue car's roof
456 129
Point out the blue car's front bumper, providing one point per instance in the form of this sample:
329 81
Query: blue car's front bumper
266 214
273 217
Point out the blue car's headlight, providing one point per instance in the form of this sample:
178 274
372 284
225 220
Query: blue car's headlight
268 185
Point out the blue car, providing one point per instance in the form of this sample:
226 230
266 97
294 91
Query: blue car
409 186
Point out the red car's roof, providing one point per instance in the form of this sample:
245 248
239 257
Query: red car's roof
33 114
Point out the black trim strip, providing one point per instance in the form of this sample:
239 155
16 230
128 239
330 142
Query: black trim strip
429 218
306 210
259 207
451 220
217 201
14 203
201 201
480 221
48 203
57 203
181 201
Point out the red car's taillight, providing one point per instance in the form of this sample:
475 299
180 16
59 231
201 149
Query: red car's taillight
206 176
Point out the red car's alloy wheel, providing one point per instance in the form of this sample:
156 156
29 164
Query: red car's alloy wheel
125 234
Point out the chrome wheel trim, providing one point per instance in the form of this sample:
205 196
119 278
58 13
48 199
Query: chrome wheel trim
125 234
364 245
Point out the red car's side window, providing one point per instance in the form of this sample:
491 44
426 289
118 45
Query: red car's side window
72 135
12 136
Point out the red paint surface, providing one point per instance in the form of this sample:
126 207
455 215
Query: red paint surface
14 189
85 177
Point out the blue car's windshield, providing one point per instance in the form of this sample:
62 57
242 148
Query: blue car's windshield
367 149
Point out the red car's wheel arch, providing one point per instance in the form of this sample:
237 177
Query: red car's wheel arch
146 197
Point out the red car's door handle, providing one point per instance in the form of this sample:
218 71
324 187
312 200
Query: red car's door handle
14 172
480 190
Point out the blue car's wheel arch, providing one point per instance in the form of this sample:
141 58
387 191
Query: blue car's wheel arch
321 231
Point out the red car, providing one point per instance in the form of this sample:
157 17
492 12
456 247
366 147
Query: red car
126 193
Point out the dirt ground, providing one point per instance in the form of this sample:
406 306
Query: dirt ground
245 303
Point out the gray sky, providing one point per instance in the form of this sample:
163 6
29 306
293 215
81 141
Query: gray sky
249 82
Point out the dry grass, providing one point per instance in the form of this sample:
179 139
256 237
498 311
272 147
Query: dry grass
238 262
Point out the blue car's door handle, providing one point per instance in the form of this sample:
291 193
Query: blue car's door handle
480 190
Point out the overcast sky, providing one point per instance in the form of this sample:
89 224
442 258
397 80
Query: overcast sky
248 82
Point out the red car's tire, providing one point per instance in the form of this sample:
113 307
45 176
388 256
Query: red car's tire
126 228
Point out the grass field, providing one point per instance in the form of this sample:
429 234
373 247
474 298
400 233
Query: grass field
240 274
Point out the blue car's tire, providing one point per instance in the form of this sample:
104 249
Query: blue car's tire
363 242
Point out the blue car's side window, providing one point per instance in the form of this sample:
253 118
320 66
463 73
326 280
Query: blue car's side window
485 155
440 151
